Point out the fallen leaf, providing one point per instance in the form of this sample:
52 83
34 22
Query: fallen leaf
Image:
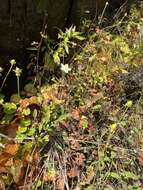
60 183
76 114
28 101
74 172
4 157
11 129
140 158
94 98
11 149
79 159
3 169
7 153
74 144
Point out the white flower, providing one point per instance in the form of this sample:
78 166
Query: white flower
12 62
18 72
65 68
1 69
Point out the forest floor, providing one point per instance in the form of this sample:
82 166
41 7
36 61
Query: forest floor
82 129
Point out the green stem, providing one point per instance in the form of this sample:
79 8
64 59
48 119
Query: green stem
103 12
18 87
6 77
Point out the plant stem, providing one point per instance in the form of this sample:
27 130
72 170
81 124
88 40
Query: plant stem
18 87
100 21
6 77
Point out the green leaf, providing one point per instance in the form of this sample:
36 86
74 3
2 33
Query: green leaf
10 108
130 175
85 123
31 131
115 175
20 137
66 48
26 123
56 58
97 107
91 187
26 111
22 129
81 38
63 117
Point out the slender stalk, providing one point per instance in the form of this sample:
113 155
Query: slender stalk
3 83
103 12
18 86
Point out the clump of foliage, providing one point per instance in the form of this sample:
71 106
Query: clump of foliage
84 131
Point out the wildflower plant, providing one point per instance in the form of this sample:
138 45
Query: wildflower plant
12 63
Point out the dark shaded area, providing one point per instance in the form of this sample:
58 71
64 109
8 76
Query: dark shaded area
21 22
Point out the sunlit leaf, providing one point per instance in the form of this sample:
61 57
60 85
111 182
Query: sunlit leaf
10 108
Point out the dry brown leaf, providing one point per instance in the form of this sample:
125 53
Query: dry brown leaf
9 163
95 97
79 159
3 169
8 152
11 149
36 157
4 157
140 158
60 183
74 172
75 114
26 158
28 101
74 144
9 130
